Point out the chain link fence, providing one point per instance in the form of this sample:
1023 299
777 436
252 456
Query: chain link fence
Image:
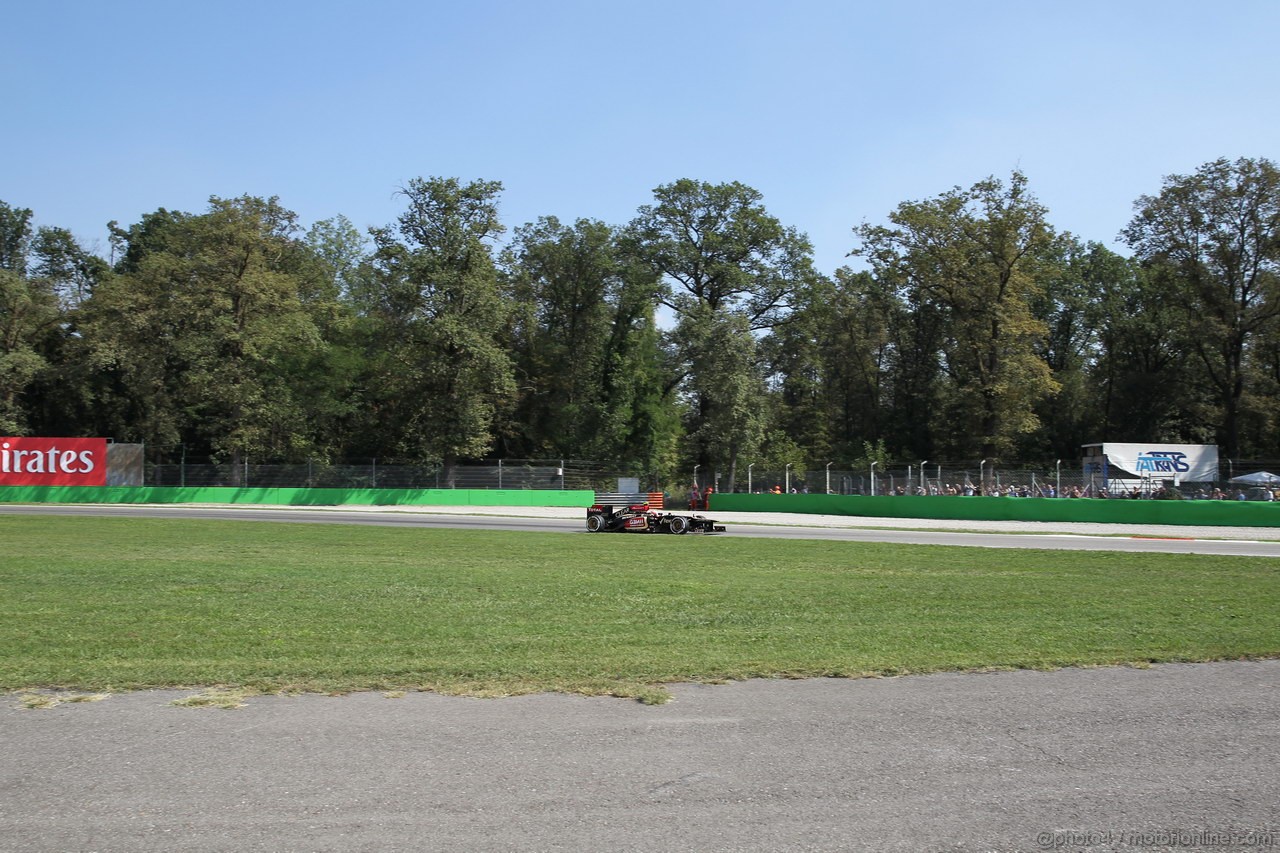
163 470
169 466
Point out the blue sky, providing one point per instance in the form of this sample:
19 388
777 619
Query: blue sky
835 111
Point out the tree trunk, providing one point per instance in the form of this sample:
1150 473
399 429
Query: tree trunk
450 466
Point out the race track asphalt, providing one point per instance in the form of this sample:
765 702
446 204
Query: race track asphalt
1230 541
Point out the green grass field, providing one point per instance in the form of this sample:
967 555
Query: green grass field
118 604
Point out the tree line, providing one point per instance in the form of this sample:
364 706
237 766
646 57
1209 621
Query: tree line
698 333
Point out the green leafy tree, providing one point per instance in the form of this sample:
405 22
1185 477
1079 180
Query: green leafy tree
444 376
203 337
1070 303
641 426
1260 425
716 246
874 461
800 401
563 279
1215 235
833 366
587 351
726 382
977 257
24 313
1145 387
343 253
722 260
43 273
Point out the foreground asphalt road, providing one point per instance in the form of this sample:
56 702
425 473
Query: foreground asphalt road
1096 759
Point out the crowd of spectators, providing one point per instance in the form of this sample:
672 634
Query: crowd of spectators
1049 490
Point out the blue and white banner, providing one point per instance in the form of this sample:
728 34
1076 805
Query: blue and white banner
1186 463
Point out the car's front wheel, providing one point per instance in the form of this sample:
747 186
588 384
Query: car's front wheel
678 524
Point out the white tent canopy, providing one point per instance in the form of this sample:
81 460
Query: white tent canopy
1258 478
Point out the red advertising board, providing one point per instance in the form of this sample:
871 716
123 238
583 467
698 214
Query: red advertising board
53 461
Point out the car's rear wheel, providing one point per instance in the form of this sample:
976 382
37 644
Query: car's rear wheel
594 523
679 524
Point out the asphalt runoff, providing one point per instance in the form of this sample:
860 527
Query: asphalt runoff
1175 757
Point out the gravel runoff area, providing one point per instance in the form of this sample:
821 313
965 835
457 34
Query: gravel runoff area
806 520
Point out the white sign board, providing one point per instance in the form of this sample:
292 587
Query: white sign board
1186 463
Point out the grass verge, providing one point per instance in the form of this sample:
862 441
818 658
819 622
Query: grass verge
106 604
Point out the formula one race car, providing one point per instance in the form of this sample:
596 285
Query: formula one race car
633 514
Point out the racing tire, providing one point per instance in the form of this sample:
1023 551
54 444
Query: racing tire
678 524
594 524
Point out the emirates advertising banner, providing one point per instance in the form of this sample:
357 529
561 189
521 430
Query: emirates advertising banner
53 461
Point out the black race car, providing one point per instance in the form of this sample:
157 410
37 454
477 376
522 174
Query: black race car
608 516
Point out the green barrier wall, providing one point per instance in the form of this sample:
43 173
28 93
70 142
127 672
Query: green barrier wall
294 497
1208 513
